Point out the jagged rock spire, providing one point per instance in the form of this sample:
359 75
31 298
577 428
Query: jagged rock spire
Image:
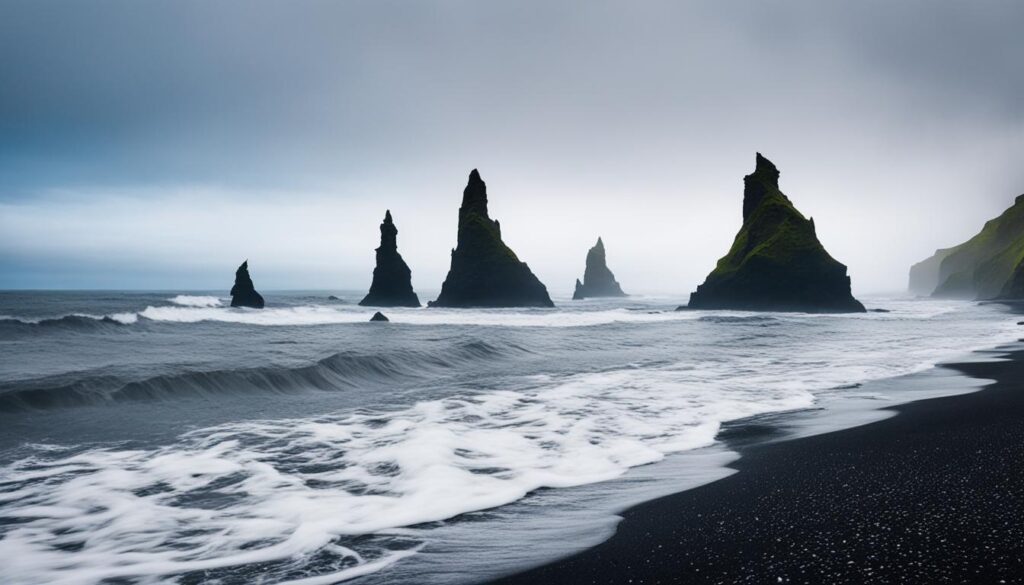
388 233
243 293
776 262
598 280
484 271
474 196
756 185
392 279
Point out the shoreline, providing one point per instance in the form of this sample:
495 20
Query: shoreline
931 494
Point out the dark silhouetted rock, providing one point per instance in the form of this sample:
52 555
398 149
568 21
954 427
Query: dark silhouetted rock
484 271
378 316
243 293
392 279
776 262
988 266
598 280
333 298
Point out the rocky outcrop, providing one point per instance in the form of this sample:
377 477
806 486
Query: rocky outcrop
988 266
598 280
392 279
378 317
484 271
243 293
776 262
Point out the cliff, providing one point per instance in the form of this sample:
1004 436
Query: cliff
987 266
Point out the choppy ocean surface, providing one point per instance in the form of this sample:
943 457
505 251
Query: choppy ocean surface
167 438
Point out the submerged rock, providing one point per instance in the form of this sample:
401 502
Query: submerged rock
484 271
392 279
243 293
598 280
378 316
776 262
988 266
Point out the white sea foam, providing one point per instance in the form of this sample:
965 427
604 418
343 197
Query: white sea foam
272 492
331 315
335 315
298 487
196 301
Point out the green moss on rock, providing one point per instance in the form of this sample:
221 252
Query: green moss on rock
776 261
987 266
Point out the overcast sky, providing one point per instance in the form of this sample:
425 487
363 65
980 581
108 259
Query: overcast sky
158 144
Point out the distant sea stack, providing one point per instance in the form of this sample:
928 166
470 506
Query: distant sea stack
484 271
244 294
776 262
988 266
392 279
598 280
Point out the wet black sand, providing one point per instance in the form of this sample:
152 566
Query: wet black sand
932 495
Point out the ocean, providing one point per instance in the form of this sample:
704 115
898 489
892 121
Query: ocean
164 437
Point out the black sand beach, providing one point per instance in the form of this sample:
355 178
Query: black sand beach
932 495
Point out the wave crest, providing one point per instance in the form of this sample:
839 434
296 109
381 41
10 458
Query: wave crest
341 371
196 301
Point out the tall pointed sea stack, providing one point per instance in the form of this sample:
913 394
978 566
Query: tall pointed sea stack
598 280
484 271
776 262
244 294
392 279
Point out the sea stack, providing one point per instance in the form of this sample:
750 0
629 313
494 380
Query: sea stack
484 271
776 262
598 280
244 294
392 279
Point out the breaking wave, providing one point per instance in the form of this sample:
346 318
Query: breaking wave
196 301
314 500
340 371
79 322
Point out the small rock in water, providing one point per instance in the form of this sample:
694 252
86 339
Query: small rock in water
243 293
378 316
333 298
880 310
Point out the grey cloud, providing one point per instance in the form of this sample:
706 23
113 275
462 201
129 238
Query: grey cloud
897 107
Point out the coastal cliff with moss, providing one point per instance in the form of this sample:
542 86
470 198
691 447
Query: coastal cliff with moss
776 262
484 271
990 265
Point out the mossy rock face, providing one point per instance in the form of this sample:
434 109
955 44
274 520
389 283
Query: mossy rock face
987 266
392 279
776 262
484 271
598 280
